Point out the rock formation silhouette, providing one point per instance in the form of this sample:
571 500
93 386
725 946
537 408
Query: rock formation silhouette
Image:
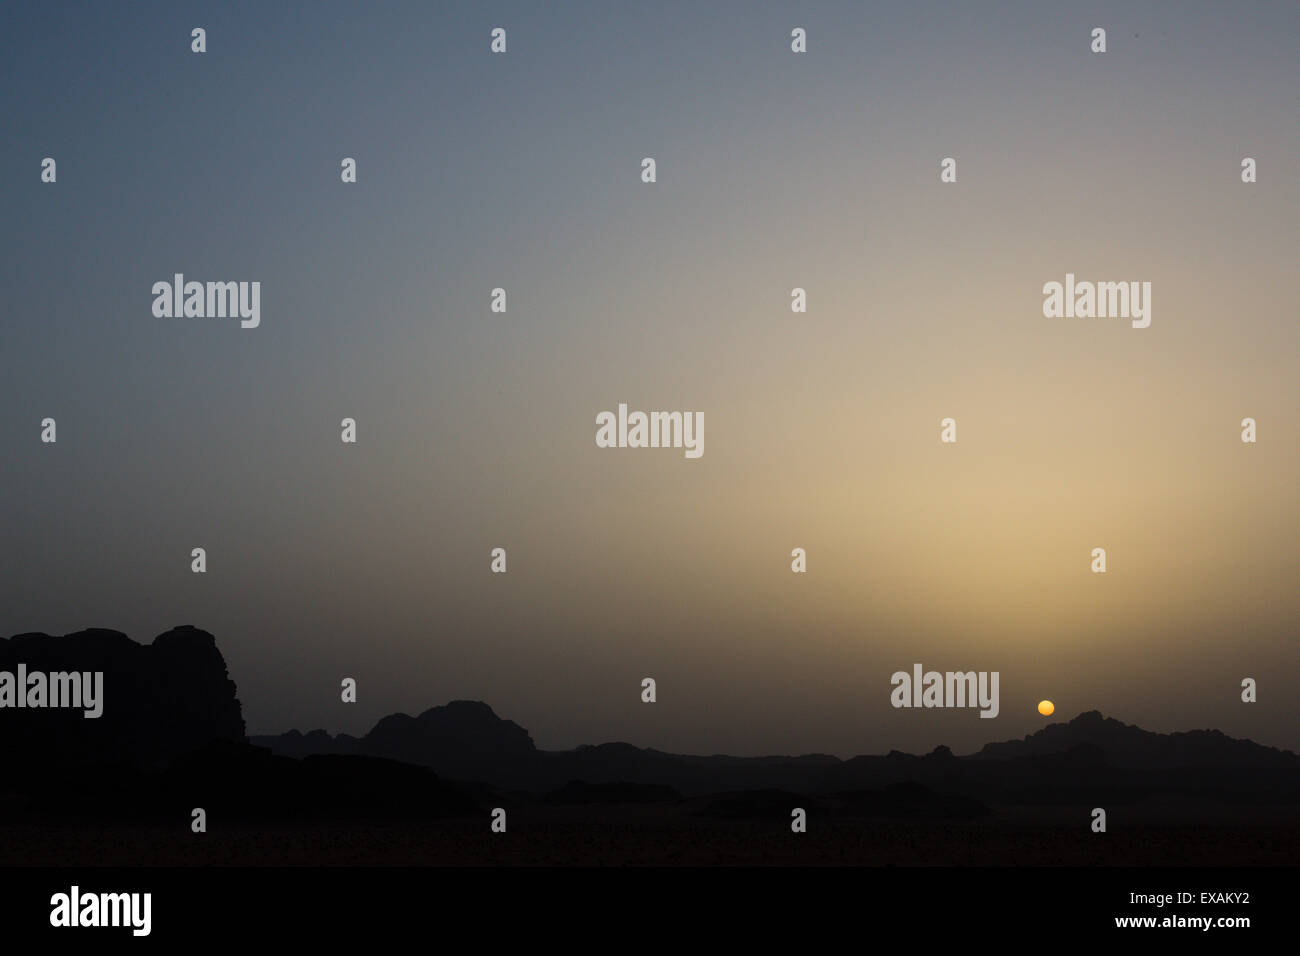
160 700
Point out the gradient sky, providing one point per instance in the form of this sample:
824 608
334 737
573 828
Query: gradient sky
477 430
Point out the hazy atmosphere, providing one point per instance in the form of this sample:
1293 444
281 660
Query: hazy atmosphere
476 429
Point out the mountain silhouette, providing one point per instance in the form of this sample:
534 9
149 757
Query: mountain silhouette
418 789
467 740
1126 745
461 739
173 696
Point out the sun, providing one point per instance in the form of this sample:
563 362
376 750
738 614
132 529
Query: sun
1046 708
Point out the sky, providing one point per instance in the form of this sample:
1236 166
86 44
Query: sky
476 430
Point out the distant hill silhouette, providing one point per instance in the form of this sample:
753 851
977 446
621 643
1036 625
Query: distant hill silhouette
1126 745
419 789
172 728
462 739
295 744
466 739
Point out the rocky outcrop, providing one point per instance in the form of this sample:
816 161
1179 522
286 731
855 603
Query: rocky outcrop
159 700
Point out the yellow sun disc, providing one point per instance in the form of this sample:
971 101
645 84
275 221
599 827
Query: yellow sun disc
1046 708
